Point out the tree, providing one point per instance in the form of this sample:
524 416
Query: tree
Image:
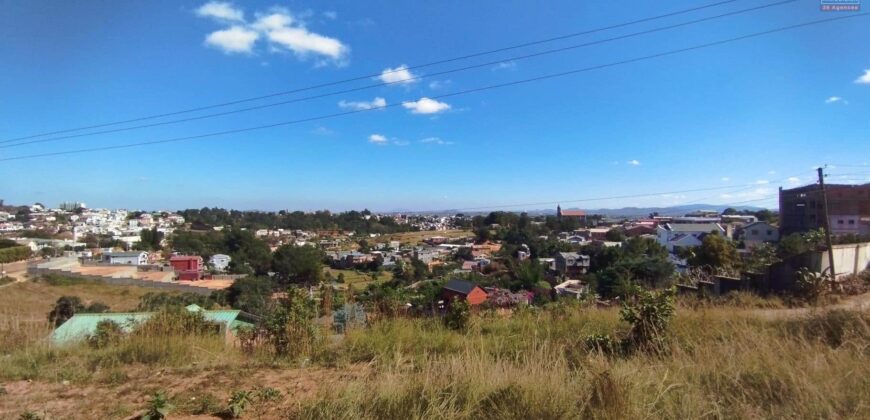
298 264
251 294
64 309
150 239
615 235
247 251
715 251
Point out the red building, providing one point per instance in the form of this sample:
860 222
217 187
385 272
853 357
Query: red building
465 290
187 267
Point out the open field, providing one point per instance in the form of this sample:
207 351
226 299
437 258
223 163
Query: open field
358 279
412 238
721 362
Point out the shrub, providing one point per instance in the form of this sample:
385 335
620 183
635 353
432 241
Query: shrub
649 314
457 315
176 322
64 309
811 285
106 334
158 407
290 326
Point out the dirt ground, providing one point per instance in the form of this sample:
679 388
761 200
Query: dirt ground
125 395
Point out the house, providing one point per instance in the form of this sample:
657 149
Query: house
755 234
571 263
126 258
571 288
187 267
81 326
640 230
560 214
464 290
676 236
220 262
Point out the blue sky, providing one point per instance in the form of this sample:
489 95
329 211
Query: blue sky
754 114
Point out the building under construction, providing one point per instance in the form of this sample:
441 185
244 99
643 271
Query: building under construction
802 209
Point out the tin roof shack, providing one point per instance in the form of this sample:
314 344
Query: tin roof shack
465 290
82 326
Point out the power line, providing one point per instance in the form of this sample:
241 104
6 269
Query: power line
369 76
415 78
458 93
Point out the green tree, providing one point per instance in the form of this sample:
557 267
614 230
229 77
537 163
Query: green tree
715 251
251 294
64 309
298 264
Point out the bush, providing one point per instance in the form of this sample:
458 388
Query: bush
15 253
106 334
176 322
649 314
457 315
158 407
290 327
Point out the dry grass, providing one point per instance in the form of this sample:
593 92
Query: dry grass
413 238
723 362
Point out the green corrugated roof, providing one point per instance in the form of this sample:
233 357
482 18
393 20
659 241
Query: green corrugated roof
80 326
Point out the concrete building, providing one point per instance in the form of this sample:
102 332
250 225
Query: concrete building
802 209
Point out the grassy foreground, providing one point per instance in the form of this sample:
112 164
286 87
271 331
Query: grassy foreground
722 362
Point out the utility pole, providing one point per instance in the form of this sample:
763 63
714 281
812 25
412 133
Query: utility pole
827 224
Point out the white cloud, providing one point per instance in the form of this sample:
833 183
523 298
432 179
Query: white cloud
426 106
864 79
285 32
436 140
323 131
725 179
378 139
505 65
771 172
376 103
793 180
836 99
399 75
633 162
330 14
235 39
282 31
762 182
401 142
221 11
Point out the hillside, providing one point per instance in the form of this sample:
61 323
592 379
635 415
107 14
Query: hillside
721 360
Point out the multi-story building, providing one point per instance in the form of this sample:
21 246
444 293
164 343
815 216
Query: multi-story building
802 209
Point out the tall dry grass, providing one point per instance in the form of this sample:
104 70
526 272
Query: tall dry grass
720 365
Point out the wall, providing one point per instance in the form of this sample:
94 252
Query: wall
122 281
848 258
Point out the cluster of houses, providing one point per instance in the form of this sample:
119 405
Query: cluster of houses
186 267
75 220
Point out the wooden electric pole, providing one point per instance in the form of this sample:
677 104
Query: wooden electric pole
827 224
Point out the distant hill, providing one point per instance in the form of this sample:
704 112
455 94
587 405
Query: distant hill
620 212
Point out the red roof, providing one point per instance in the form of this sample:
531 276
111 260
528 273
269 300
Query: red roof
578 213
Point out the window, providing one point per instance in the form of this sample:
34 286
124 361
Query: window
840 221
755 231
851 221
769 232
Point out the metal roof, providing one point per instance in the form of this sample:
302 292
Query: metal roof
461 286
80 326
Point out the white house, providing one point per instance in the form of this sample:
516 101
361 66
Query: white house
755 234
674 236
220 262
126 258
